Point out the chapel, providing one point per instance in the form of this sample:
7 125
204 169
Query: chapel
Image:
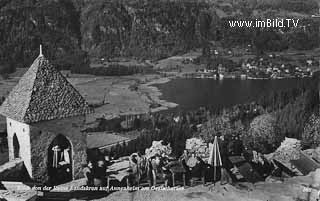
45 116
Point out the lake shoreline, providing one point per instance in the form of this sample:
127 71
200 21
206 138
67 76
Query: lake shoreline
192 93
155 94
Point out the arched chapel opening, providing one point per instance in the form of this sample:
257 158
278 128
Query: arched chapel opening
60 168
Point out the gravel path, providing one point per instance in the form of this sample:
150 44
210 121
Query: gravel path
289 190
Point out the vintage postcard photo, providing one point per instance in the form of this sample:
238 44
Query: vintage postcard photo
159 100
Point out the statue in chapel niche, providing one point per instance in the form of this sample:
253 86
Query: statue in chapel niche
61 157
56 149
65 157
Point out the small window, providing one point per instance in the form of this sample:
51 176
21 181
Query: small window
16 146
23 130
10 124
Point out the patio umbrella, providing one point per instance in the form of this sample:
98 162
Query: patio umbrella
215 157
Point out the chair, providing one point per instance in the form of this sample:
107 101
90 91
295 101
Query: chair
198 176
145 177
178 168
158 175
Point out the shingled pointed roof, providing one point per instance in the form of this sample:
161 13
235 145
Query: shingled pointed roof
43 93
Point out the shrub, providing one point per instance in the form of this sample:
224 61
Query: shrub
311 132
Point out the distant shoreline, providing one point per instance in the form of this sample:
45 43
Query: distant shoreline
155 94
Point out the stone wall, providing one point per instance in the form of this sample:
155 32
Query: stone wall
14 171
42 135
22 131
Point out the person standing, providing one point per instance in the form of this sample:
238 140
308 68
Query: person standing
99 174
224 152
225 177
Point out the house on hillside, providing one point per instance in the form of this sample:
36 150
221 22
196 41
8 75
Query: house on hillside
45 115
104 141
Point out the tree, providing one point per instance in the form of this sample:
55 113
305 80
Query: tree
219 125
6 68
269 40
26 24
303 40
77 62
292 118
263 134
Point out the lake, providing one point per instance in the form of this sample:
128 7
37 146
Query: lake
193 93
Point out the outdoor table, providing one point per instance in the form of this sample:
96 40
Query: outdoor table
115 177
178 169
118 171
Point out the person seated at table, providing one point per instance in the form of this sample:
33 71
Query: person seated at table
142 163
155 162
88 173
197 170
188 163
99 173
183 160
192 161
195 167
149 172
159 168
165 170
107 160
263 166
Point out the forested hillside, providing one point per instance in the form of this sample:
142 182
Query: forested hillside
143 29
72 31
26 24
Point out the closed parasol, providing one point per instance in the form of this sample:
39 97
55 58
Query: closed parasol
215 157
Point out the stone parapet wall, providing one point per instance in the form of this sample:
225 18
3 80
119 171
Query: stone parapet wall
14 171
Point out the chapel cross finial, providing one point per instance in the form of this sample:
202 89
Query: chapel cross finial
40 54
